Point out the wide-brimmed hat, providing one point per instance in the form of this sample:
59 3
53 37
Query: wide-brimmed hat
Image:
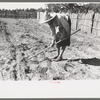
46 18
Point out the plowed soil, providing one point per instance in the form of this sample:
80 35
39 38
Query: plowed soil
81 60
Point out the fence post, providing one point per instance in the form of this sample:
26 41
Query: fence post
77 21
92 21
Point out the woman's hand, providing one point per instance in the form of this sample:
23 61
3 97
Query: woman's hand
52 44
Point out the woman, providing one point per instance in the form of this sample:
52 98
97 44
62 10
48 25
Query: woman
60 25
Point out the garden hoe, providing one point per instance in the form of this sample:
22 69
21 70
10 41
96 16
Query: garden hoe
56 43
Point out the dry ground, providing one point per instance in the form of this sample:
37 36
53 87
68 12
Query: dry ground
81 58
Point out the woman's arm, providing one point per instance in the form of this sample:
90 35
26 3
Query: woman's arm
53 34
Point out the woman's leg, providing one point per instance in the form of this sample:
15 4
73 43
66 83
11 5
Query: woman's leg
61 53
58 51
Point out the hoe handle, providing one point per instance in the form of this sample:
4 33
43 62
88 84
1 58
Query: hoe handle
56 43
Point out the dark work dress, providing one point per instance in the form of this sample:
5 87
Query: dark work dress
62 35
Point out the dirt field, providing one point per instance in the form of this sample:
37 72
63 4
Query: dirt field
28 37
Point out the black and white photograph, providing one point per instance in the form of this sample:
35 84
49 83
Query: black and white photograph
49 49
49 41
